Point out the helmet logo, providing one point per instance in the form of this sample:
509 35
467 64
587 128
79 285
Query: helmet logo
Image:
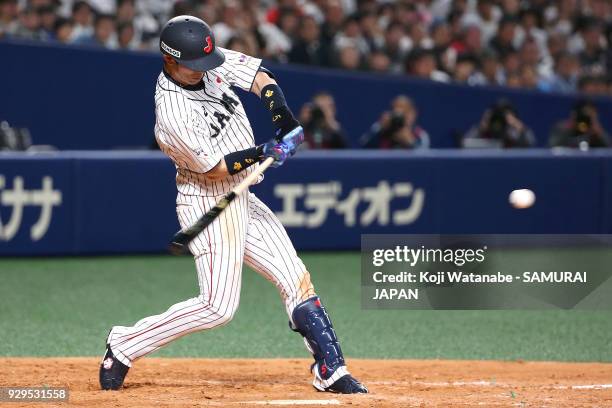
209 45
170 50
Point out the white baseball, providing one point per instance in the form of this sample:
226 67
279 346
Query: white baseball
523 198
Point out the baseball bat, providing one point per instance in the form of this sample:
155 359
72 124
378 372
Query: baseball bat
180 242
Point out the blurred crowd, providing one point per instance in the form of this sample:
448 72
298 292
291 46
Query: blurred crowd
553 46
397 127
500 127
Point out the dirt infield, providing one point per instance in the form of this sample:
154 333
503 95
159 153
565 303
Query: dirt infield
164 382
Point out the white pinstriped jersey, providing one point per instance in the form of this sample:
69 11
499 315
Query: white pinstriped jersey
197 125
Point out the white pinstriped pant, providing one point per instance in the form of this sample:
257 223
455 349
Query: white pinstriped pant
247 231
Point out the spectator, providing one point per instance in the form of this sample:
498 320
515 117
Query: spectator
239 44
530 23
271 39
397 128
422 64
134 27
465 68
565 76
349 58
250 30
82 16
184 7
228 25
372 32
275 7
510 7
288 23
419 37
9 13
126 36
38 4
126 11
561 16
48 17
454 22
470 41
513 80
397 45
503 42
511 64
582 130
499 127
406 14
557 43
529 54
386 14
62 31
29 26
510 40
592 85
334 19
104 34
309 49
351 36
103 6
490 72
592 57
486 17
321 128
378 62
609 51
528 77
441 42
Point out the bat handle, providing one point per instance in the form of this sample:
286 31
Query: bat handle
177 249
178 244
180 241
250 179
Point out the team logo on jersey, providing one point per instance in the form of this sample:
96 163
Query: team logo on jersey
108 363
170 50
209 45
269 93
237 166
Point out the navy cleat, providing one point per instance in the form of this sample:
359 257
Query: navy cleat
347 385
112 371
311 320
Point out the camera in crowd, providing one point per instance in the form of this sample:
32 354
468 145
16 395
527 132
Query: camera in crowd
19 139
498 120
321 127
14 139
397 121
316 113
583 118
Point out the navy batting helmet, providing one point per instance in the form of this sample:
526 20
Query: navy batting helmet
191 42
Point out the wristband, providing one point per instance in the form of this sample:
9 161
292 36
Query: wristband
273 97
282 117
242 159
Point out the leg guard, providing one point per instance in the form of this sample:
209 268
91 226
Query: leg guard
310 319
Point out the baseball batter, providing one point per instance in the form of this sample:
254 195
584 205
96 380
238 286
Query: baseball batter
202 126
